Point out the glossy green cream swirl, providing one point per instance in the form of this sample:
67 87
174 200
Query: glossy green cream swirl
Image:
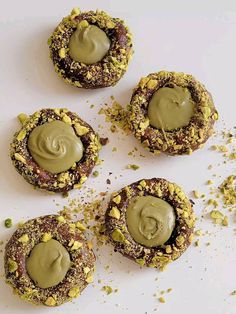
54 146
88 44
170 108
48 264
150 220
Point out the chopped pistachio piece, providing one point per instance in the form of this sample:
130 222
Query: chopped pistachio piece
8 223
133 167
115 213
22 117
74 292
86 270
107 289
24 238
76 245
46 237
80 226
95 173
61 219
12 265
117 199
118 236
50 301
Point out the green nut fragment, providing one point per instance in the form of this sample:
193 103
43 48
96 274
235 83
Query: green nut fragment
80 226
168 249
180 240
75 12
62 53
12 265
22 117
89 279
115 213
8 223
21 135
80 129
74 292
24 238
46 237
140 261
66 119
133 167
107 289
216 214
117 199
50 301
76 245
152 84
61 219
118 236
86 270
95 173
206 111
20 158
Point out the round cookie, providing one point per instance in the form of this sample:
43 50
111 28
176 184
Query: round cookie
150 221
172 113
59 276
55 150
90 49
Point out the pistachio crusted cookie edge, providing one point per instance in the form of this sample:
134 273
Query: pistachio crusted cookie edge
42 179
180 141
118 233
43 229
110 69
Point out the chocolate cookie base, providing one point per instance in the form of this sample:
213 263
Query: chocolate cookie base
118 233
40 178
105 73
42 229
180 141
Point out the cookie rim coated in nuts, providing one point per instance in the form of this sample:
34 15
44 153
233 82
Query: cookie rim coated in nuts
39 230
37 176
120 237
104 73
179 141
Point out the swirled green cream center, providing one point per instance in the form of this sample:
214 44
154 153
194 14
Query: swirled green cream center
55 146
88 44
150 220
170 108
48 264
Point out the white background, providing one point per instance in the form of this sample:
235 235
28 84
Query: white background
195 37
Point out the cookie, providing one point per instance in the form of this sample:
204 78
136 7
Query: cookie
172 113
55 150
150 221
48 261
90 49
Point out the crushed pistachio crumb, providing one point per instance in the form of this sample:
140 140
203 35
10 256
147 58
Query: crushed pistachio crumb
95 173
24 238
132 166
107 289
8 223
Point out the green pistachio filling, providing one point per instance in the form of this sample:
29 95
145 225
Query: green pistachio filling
170 108
48 264
55 146
150 220
88 44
